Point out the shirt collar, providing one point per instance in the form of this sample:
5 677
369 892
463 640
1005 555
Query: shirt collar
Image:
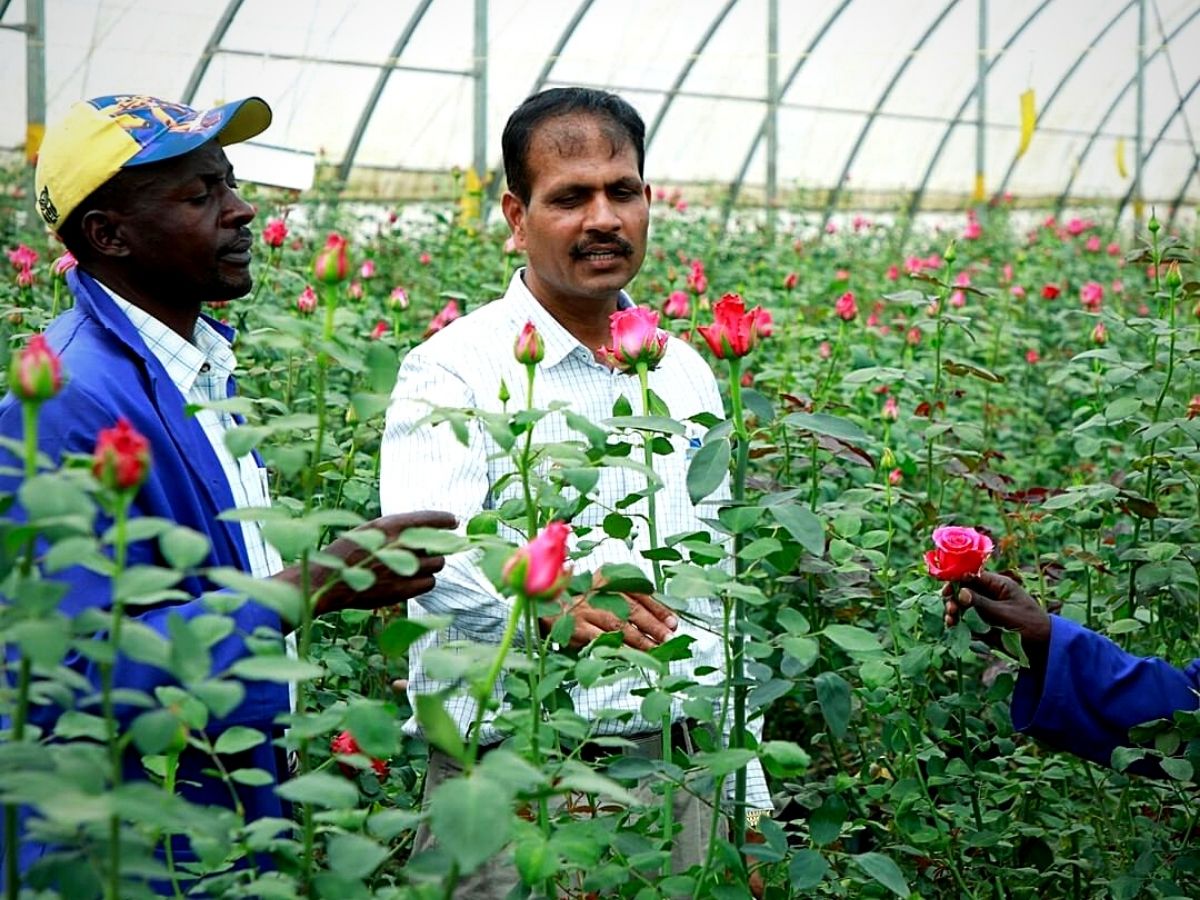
208 352
559 342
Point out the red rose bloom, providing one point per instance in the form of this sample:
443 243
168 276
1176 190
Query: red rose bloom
958 552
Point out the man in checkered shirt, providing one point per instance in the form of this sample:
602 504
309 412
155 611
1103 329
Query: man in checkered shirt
579 208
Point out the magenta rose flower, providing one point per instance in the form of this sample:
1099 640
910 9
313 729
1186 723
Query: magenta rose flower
734 331
538 571
957 552
529 348
636 339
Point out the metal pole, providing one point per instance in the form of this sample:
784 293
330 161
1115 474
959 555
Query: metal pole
772 113
35 77
1138 200
481 73
981 104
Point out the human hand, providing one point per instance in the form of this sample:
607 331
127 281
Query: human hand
389 588
648 625
1002 603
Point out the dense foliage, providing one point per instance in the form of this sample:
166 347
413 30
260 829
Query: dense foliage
1041 386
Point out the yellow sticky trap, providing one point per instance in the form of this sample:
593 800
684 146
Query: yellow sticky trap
34 132
979 195
1122 170
1028 121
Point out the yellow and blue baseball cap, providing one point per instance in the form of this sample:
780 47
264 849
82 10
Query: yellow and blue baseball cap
101 136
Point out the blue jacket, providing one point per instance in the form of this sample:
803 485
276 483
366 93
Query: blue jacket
1093 692
111 373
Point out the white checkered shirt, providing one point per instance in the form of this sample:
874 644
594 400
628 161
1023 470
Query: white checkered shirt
426 467
201 370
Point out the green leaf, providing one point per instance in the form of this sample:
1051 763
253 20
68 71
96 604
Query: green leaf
275 668
724 762
471 819
851 638
183 548
238 739
276 595
435 541
803 649
831 426
1179 769
241 440
786 757
139 583
190 659
1122 408
833 695
252 777
960 368
439 728
659 424
373 727
883 870
291 537
320 789
400 635
708 469
802 524
535 859
155 731
807 869
617 526
827 819
354 856
43 641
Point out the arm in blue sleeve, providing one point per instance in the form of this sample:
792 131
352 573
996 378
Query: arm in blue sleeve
1093 692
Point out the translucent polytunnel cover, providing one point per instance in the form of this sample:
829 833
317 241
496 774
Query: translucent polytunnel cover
876 99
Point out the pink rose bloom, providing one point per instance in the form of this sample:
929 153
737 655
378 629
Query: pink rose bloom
529 348
23 257
830 228
1092 244
933 261
25 278
1032 356
958 299
893 273
1118 286
824 350
873 320
1113 249
380 329
678 305
424 259
275 232
913 265
962 279
445 316
307 301
957 553
973 231
913 336
355 290
1100 335
398 298
1091 294
681 206
538 571
891 409
1077 226
1006 273
636 340
64 264
790 281
367 270
842 275
895 477
1049 222
35 374
846 307
1017 291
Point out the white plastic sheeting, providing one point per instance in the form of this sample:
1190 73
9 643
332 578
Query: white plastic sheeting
878 89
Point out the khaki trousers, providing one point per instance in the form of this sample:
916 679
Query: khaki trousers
496 878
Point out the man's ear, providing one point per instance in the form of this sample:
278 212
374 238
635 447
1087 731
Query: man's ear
101 231
514 214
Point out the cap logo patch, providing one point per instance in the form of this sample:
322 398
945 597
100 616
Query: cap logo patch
47 208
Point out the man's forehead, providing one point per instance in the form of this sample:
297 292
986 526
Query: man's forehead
572 136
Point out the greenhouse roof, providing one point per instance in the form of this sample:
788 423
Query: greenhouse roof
875 99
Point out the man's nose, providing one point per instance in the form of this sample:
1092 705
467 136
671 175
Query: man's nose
236 211
602 215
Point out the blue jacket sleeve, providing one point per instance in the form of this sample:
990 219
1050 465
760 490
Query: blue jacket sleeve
1093 692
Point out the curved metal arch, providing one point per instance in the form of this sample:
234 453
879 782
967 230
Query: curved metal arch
1183 101
919 193
735 187
544 75
1183 190
210 49
385 72
1062 83
1062 198
836 192
677 84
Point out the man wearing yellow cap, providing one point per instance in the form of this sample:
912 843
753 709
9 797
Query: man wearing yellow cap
141 192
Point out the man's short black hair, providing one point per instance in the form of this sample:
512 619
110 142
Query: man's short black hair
556 103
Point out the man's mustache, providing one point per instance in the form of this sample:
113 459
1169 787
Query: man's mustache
615 244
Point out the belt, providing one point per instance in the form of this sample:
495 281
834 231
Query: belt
647 745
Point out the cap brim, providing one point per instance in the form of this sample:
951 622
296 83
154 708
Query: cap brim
230 123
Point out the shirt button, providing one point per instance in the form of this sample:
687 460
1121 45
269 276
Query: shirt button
204 368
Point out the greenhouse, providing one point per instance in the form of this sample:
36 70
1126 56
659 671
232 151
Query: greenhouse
597 448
